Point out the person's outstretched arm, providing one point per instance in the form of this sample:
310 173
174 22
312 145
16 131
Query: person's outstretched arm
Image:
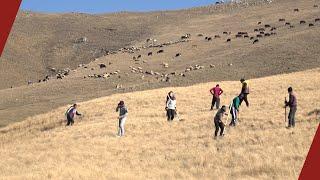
78 114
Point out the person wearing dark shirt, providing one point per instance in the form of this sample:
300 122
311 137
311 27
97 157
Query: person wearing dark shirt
123 113
218 121
71 112
292 104
216 92
244 92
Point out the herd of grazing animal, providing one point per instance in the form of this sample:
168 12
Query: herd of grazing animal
266 30
263 30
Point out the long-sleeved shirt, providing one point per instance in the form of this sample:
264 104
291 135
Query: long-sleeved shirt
292 101
72 111
218 117
216 91
236 103
123 111
171 104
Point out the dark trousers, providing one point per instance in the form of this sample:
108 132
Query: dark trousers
170 114
70 121
215 101
218 125
291 117
245 99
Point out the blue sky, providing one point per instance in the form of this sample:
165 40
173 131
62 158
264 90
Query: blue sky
106 6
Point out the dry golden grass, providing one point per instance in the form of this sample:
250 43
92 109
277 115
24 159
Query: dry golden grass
259 148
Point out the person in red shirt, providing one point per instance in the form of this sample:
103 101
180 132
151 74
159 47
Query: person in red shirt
216 92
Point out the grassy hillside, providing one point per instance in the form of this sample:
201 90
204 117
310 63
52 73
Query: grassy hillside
292 49
39 42
260 147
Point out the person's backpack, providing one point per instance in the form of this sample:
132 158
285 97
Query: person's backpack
67 112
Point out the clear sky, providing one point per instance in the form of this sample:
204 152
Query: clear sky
106 6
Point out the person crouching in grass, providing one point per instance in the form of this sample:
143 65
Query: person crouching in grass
218 121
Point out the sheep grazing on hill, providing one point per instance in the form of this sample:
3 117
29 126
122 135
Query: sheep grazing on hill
255 41
217 36
273 28
238 35
139 56
261 29
178 54
259 36
287 24
310 25
302 22
315 6
317 20
229 40
208 38
187 36
59 76
200 35
102 66
256 30
259 22
282 20
296 10
160 51
246 36
267 26
242 33
267 34
150 54
151 41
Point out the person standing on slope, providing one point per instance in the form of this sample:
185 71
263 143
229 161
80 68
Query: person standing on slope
71 112
123 113
234 110
292 103
171 106
244 92
216 92
218 121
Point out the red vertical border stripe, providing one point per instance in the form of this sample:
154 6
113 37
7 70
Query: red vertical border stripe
8 13
311 167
